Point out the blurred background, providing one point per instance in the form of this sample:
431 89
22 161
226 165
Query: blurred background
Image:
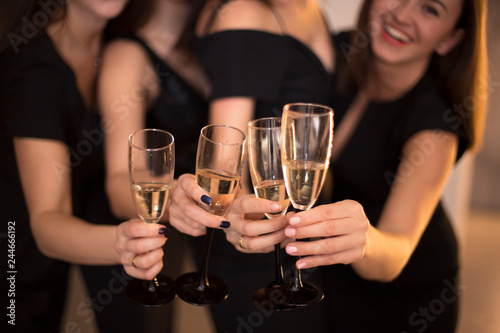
472 198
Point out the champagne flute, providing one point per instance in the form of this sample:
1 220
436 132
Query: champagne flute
219 164
307 135
264 156
151 171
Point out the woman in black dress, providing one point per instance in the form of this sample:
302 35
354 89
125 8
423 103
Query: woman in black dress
258 55
408 105
410 99
53 168
148 80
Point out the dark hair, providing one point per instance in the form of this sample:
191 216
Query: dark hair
24 20
462 71
187 37
133 16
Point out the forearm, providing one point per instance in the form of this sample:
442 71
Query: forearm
120 197
386 254
68 238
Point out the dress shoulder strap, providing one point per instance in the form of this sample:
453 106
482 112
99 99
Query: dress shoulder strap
221 4
279 19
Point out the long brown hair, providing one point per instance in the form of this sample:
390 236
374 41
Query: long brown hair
24 20
133 16
462 72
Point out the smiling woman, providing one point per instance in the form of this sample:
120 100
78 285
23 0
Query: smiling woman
409 100
446 35
412 109
409 33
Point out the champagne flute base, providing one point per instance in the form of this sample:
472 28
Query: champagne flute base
308 294
151 294
189 289
271 298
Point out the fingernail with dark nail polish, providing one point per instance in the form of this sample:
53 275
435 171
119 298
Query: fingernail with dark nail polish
164 231
206 199
225 224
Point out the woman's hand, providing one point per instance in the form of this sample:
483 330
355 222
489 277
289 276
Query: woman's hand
248 232
342 231
139 246
185 212
242 219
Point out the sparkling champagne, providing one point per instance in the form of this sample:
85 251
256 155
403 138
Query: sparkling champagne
305 180
150 200
274 190
221 187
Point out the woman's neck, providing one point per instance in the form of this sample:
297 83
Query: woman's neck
386 82
86 28
78 40
78 35
165 25
161 34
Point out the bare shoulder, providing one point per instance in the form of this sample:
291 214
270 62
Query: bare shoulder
237 14
121 52
431 154
125 67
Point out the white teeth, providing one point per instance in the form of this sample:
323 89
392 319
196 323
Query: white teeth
396 34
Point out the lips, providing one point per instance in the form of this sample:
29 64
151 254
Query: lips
396 34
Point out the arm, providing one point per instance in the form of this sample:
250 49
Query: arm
238 108
126 84
45 176
379 253
237 112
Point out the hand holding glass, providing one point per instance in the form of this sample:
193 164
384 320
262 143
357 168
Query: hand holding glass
151 171
307 135
219 164
264 160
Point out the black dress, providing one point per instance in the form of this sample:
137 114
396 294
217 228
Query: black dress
425 296
183 112
179 109
39 99
275 70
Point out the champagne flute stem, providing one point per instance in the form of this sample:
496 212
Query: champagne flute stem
152 284
296 282
278 266
203 284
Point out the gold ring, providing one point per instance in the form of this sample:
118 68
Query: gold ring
241 242
133 262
